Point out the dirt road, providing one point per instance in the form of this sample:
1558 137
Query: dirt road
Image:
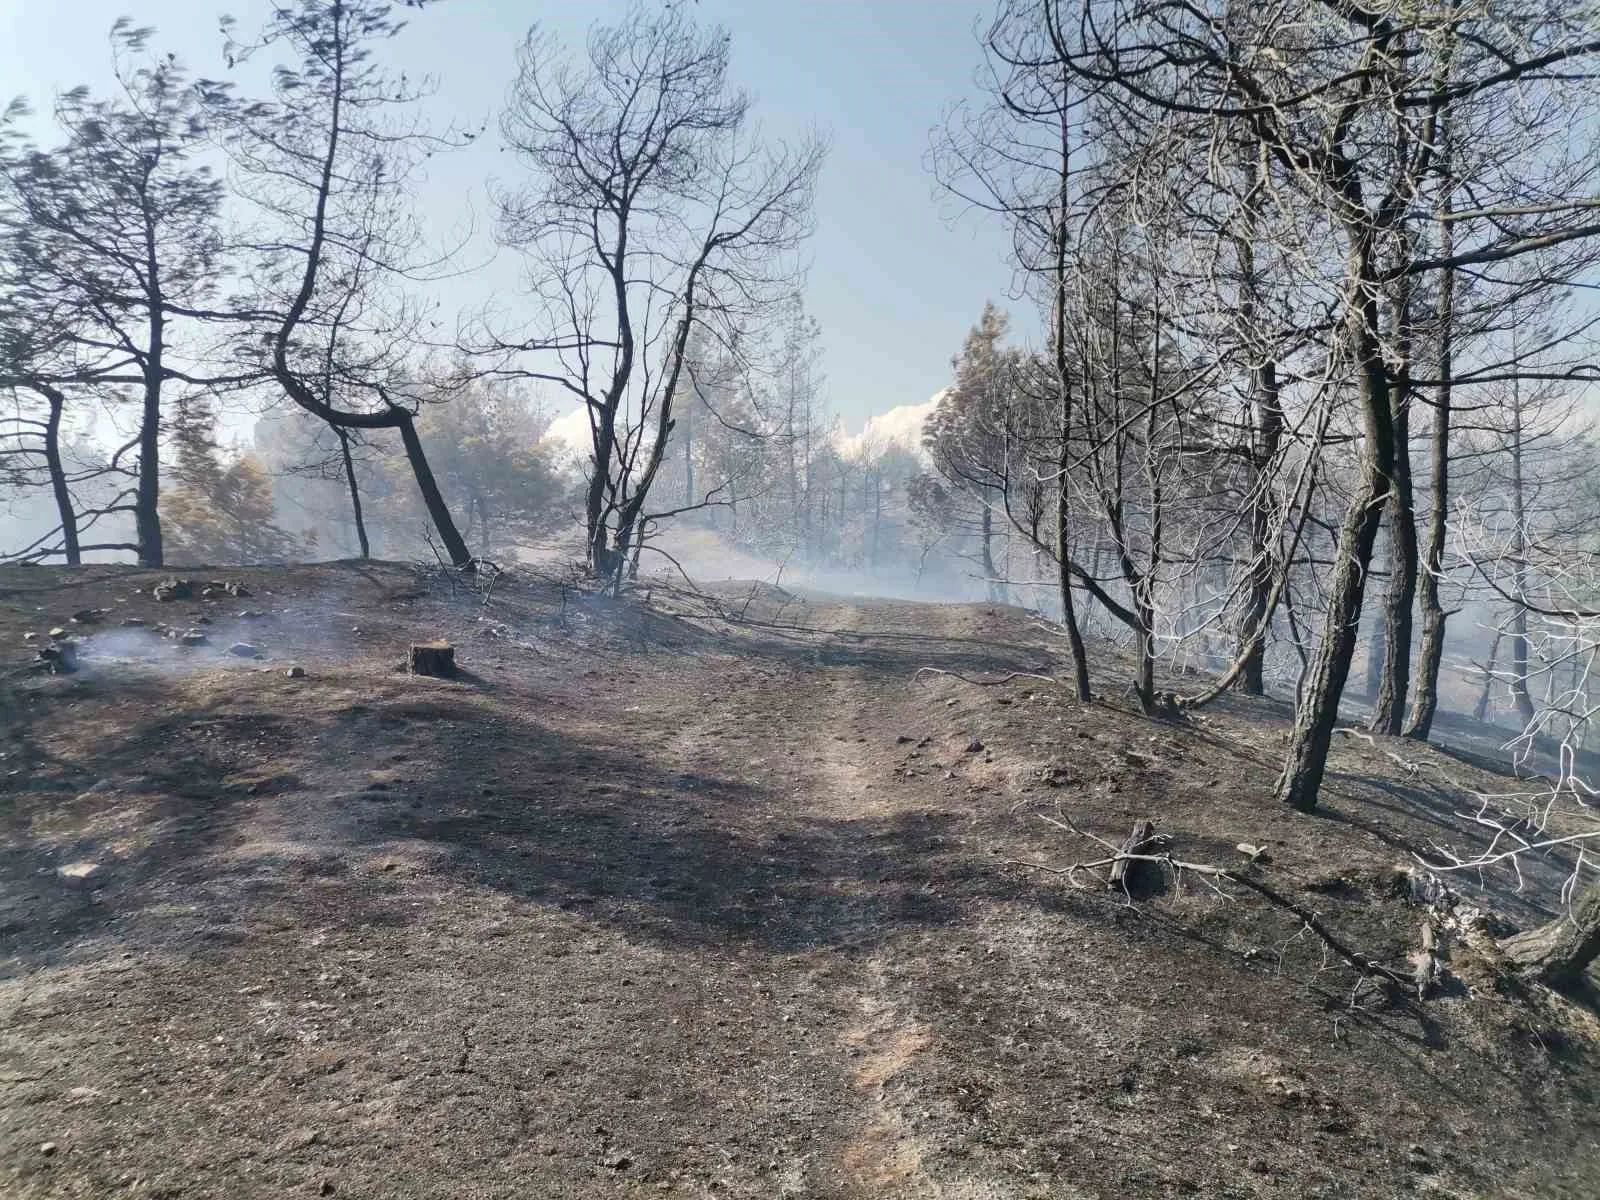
651 906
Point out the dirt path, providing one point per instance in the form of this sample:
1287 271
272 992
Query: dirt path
642 910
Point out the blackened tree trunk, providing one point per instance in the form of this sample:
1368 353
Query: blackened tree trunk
65 511
1559 954
1393 684
147 498
1258 600
1318 709
355 492
432 498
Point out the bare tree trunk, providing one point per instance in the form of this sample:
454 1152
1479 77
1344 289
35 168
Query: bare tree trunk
1269 431
1480 710
1390 708
1430 658
1519 617
432 499
1318 710
146 504
1559 954
989 573
1069 617
355 492
58 476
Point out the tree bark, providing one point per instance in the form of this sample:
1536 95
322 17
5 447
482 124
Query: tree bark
1559 954
1395 679
1318 709
65 511
355 492
432 498
1520 695
1430 657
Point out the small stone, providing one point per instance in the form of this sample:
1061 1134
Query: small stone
79 872
1418 1159
325 1188
619 1161
87 616
974 746
249 614
132 623
58 634
244 650
296 673
30 637
903 739
192 638
47 1148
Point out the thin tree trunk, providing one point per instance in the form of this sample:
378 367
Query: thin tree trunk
432 499
58 475
147 497
1318 710
1480 710
1519 617
355 492
988 554
1269 429
1430 657
1399 600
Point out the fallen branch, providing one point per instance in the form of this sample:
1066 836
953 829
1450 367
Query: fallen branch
921 671
1359 962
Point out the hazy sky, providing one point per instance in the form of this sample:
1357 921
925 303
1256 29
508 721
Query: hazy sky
894 285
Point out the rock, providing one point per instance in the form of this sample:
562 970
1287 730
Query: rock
325 1188
87 616
244 650
296 672
132 623
903 739
47 1148
192 638
30 637
974 747
79 872
58 634
619 1161
250 614
173 589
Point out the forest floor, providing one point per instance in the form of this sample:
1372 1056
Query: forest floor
671 898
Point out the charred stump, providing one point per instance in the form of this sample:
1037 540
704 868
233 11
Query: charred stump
1124 869
432 658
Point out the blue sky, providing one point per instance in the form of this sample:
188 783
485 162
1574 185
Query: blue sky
894 283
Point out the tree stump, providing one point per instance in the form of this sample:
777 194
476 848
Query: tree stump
1123 870
432 658
1559 954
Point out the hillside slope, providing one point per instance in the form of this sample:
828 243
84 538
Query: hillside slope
673 898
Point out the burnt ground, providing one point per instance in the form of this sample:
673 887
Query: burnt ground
650 902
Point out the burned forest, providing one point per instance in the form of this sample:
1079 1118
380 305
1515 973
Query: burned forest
985 599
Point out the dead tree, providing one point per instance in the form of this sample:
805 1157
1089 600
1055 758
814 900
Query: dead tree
654 214
328 164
